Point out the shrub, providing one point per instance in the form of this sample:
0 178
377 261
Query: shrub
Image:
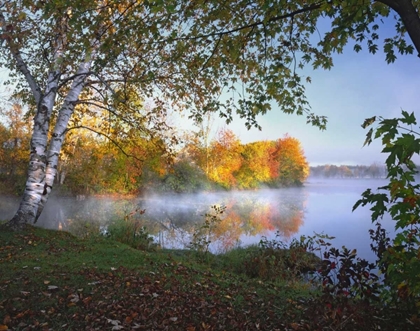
132 232
398 259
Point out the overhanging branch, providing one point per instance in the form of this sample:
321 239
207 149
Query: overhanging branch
107 137
255 24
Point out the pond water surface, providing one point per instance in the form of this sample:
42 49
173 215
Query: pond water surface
321 206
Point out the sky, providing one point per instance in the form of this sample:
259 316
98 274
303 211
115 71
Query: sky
359 86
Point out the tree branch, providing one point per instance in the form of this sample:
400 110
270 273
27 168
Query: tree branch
21 65
255 24
390 3
410 18
107 137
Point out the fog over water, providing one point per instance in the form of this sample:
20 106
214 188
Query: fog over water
322 206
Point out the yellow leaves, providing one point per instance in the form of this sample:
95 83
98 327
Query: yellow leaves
3 328
22 16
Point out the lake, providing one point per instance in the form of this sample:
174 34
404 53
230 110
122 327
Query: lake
321 206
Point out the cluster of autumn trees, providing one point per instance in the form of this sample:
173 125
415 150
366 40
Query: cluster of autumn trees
231 164
95 163
15 132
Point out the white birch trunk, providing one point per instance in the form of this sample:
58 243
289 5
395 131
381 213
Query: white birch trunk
59 132
44 158
34 187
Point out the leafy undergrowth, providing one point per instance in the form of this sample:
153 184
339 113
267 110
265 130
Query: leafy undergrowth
51 280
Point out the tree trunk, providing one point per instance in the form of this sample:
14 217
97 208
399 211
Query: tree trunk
43 165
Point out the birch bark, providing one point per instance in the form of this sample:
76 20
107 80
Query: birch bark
59 132
35 184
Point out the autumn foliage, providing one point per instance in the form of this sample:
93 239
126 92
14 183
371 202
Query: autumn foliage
248 166
112 159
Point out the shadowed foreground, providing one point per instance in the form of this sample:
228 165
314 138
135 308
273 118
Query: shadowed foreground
53 281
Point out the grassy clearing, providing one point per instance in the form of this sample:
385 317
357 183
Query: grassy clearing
52 280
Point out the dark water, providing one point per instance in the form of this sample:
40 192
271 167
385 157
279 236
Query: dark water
321 206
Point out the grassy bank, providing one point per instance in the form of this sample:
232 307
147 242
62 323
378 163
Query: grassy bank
52 280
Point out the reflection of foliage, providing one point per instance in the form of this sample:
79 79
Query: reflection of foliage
204 234
398 258
261 218
288 223
228 231
244 214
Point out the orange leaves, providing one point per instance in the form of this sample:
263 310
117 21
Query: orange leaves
225 155
293 167
234 165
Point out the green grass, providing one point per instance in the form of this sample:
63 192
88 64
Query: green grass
51 280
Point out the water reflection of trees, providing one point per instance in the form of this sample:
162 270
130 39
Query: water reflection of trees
258 217
173 218
246 215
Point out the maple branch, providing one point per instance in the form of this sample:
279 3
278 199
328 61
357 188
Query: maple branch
410 18
255 24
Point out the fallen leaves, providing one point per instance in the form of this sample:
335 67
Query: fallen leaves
171 297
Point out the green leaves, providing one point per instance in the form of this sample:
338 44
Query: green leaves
401 199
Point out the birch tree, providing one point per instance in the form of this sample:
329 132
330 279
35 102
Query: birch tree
182 54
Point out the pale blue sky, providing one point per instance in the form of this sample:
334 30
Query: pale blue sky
360 85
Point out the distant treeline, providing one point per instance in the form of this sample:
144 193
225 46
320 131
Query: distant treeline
375 170
132 163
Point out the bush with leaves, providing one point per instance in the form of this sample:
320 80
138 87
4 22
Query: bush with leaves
275 260
400 198
204 234
184 177
131 231
350 293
